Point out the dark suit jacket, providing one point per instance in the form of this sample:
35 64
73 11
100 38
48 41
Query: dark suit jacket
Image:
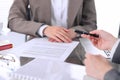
114 74
81 15
116 57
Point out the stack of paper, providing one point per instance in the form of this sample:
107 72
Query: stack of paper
90 48
43 69
42 48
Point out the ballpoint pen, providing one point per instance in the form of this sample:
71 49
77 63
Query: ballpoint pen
87 33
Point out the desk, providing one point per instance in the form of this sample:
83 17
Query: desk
44 69
15 38
10 36
63 64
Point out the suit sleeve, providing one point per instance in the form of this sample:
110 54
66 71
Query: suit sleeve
116 57
18 19
112 75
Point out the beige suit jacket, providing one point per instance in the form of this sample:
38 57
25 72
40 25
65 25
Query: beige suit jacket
81 15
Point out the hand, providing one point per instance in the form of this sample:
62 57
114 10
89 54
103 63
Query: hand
105 40
72 33
96 66
58 34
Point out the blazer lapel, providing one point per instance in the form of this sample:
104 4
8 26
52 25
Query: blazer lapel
73 8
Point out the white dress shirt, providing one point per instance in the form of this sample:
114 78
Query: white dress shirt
114 49
59 11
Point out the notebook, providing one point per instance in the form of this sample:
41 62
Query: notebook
43 69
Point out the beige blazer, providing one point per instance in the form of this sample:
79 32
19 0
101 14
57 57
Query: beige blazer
81 15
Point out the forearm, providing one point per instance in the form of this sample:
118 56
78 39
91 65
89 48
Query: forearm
25 27
18 19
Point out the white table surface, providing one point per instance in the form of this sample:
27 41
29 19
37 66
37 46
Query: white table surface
18 39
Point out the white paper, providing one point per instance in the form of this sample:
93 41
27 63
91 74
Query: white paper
43 69
90 48
42 48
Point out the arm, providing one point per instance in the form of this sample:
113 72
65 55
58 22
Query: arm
96 66
99 68
17 20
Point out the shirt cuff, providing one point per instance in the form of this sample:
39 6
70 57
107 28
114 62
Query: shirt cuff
114 48
40 31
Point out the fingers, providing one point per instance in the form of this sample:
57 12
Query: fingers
87 57
96 31
60 37
58 34
92 39
64 36
101 33
53 40
92 57
85 36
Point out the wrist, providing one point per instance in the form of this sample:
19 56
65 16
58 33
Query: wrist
41 29
46 30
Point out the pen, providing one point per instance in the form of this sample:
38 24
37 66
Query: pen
87 33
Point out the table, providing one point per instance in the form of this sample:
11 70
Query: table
11 36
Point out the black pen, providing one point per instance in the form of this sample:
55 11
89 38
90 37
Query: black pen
87 33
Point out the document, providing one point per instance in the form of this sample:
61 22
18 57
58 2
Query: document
90 48
42 48
43 69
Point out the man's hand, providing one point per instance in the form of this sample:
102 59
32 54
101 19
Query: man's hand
59 34
72 33
105 40
96 66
